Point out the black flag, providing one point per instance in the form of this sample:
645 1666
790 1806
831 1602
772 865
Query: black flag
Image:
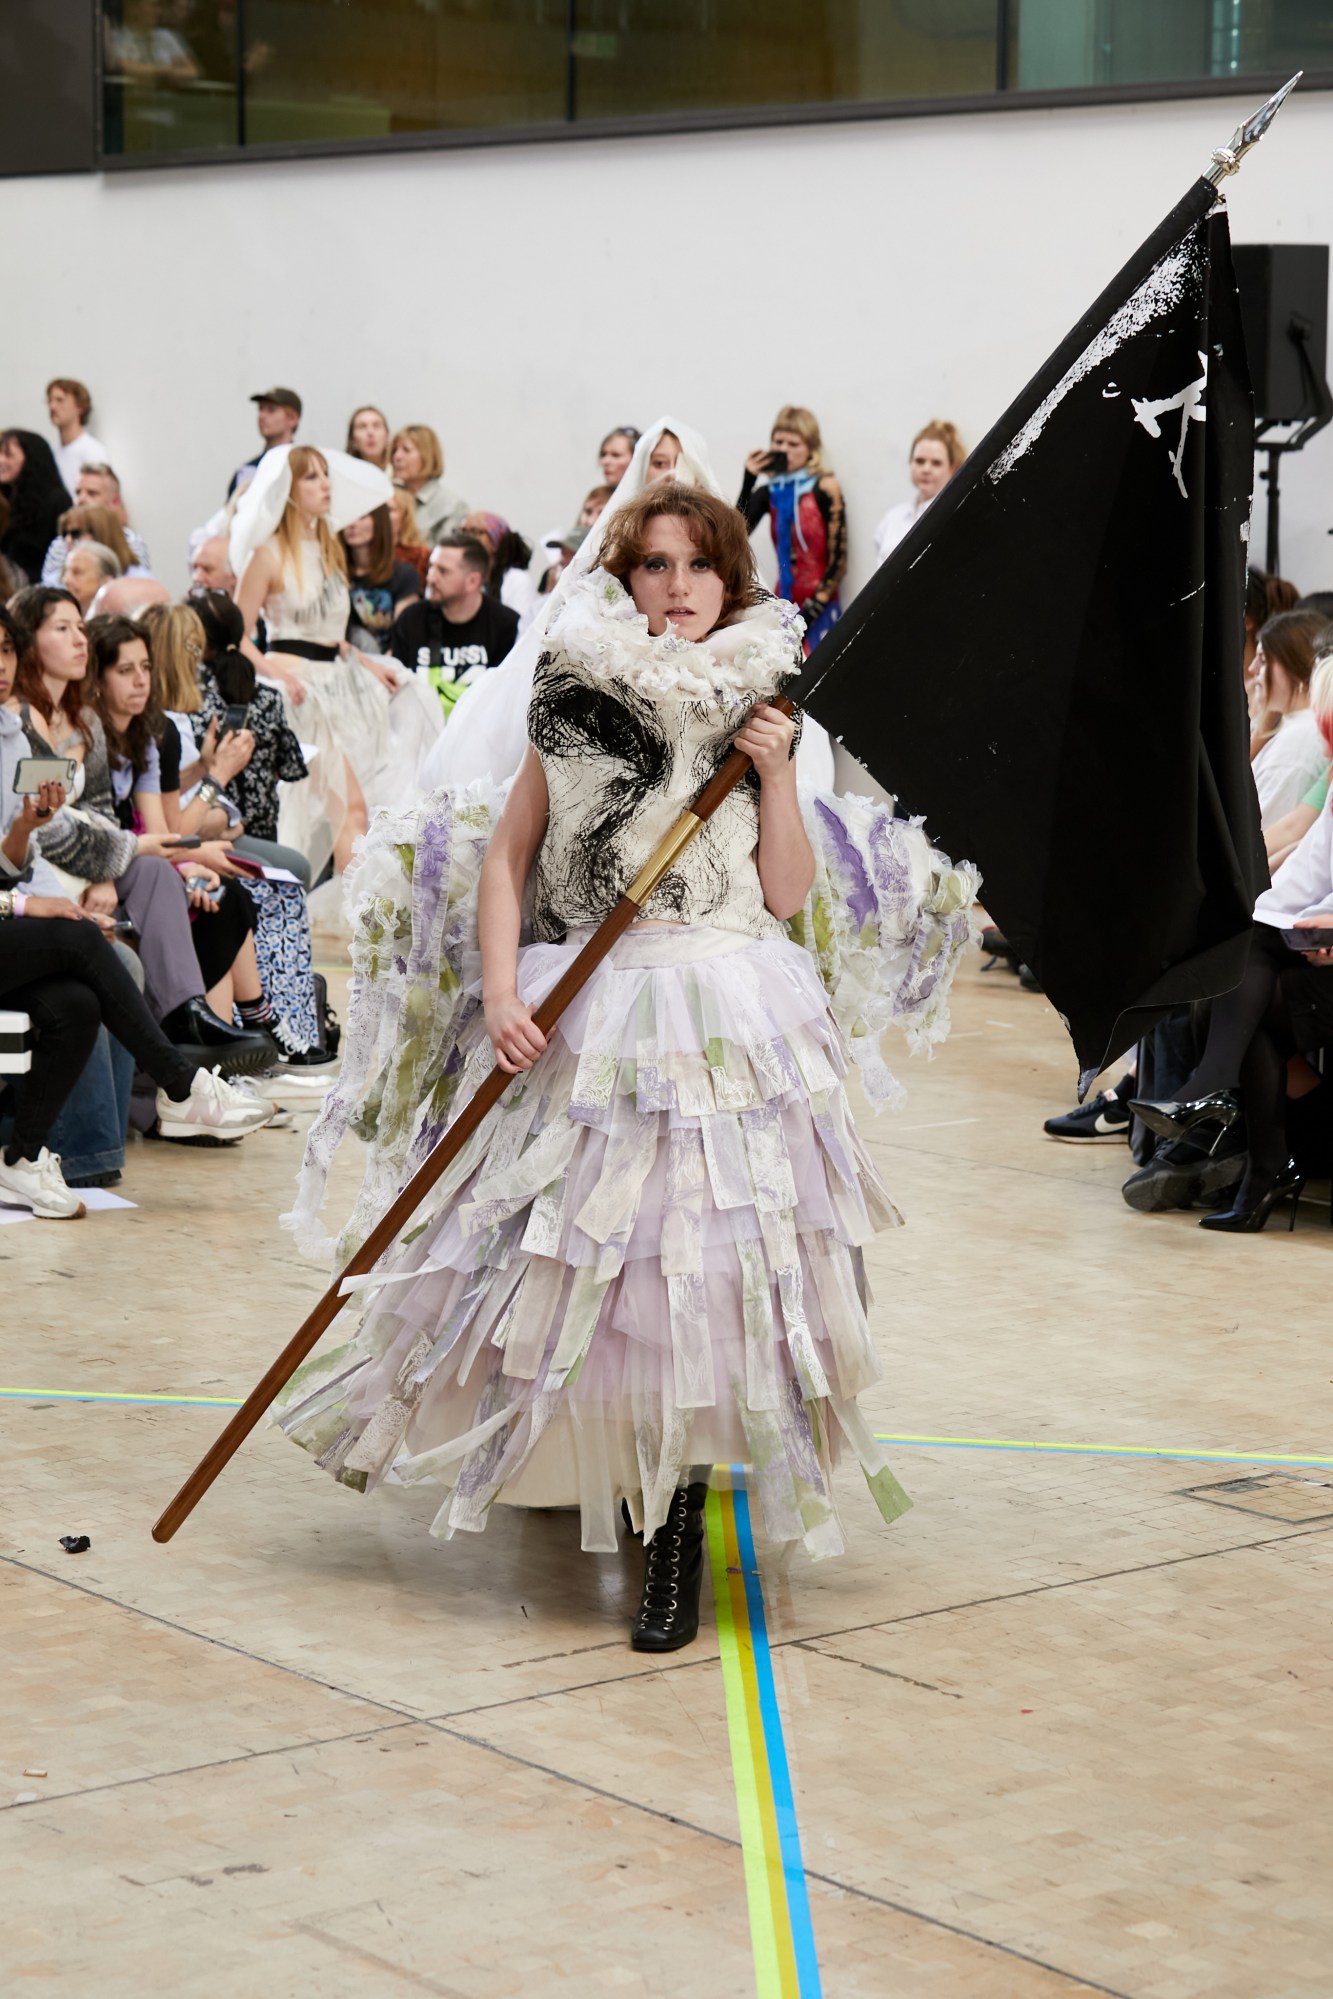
1049 667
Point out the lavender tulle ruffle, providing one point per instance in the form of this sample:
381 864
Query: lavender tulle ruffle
648 1257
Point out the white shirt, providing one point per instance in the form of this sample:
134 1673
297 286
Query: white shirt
1288 764
1303 885
72 457
896 523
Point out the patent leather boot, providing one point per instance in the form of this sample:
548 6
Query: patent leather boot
673 1568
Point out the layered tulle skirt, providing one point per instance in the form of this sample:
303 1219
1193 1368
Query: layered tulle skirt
648 1257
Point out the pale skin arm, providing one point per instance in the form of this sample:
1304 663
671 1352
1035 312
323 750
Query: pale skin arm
504 872
786 859
259 579
1285 834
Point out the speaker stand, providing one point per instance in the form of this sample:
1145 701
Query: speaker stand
1321 397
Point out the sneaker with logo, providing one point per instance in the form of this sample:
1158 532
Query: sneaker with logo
214 1113
1103 1118
39 1184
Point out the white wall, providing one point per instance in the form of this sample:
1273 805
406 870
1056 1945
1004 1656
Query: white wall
524 300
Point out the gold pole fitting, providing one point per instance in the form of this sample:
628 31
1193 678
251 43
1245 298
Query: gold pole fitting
663 858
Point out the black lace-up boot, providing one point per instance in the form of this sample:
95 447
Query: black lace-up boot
673 1568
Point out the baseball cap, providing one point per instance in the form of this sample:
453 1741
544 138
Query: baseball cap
570 542
287 397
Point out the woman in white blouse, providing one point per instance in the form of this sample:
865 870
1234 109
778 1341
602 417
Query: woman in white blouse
937 452
1295 756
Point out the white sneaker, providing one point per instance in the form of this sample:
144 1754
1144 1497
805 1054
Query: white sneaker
214 1113
40 1185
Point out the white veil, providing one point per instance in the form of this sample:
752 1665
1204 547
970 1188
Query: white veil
488 730
358 488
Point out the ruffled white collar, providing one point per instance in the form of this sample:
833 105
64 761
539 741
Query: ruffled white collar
599 628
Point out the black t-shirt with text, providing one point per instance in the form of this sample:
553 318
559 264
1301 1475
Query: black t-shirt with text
482 641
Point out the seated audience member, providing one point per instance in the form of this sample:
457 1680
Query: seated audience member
594 505
563 547
87 567
1317 600
100 524
115 872
1265 597
207 753
58 968
457 631
408 545
227 680
511 557
127 596
35 496
417 460
142 668
210 566
69 405
278 416
937 452
380 585
615 452
1295 755
368 436
1281 1011
98 486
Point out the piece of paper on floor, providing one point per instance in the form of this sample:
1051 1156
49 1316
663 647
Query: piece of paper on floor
93 1198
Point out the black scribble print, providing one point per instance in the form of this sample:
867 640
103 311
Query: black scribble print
621 736
615 761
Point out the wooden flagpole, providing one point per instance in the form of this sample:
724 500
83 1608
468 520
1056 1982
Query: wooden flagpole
484 1099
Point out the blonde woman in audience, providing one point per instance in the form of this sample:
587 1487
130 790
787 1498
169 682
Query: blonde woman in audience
802 500
368 436
417 459
937 452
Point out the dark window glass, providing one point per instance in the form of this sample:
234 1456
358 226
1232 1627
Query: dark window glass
655 56
177 80
370 68
1088 44
169 76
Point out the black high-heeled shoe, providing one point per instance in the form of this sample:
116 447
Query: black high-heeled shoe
1170 1119
1249 1219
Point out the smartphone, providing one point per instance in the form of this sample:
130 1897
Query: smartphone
122 926
184 840
1308 938
233 719
33 772
205 889
776 461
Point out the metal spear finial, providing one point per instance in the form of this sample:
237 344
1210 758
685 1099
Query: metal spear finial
1228 158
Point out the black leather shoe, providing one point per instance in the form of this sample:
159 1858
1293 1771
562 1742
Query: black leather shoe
1177 1120
673 1568
214 1043
1255 1204
1178 1175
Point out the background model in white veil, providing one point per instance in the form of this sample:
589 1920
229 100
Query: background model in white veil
488 731
357 488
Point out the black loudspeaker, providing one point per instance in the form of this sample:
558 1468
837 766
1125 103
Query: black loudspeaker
1282 284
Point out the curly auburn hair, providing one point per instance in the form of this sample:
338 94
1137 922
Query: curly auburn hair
716 528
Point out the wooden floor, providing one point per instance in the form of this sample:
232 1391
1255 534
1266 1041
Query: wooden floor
1065 1728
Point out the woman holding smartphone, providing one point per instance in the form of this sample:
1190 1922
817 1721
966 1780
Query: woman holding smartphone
112 872
804 507
228 913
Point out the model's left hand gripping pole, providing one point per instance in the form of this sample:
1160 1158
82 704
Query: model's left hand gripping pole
392 1224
